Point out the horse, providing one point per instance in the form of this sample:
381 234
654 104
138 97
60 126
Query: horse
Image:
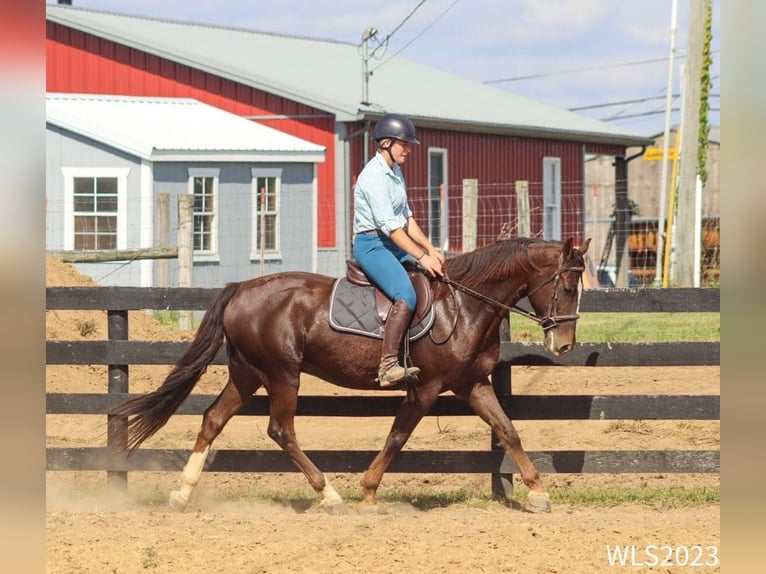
276 327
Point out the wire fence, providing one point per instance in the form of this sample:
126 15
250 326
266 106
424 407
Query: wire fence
579 209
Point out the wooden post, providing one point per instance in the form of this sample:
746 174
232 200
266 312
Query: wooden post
623 218
470 214
522 209
162 238
683 266
117 427
502 483
185 252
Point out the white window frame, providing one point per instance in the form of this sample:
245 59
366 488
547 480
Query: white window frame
121 173
193 173
255 252
552 198
443 216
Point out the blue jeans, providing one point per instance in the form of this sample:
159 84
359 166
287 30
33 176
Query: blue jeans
381 260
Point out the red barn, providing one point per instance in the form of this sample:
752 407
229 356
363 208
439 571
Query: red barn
313 89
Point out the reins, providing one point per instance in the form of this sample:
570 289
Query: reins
547 322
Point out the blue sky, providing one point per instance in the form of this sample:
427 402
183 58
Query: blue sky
569 53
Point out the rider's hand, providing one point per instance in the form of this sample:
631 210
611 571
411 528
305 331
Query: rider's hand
432 263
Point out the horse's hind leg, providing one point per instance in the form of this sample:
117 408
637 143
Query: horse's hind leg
283 401
481 396
215 418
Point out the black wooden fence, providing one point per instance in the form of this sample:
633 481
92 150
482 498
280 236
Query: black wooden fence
118 353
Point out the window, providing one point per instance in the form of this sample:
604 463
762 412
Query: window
95 209
95 213
204 187
204 213
438 200
551 198
266 212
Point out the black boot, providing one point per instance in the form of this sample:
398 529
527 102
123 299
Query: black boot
390 372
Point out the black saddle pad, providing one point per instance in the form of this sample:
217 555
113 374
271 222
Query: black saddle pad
352 310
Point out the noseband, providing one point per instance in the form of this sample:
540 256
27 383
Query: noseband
551 319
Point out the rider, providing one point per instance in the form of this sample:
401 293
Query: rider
387 235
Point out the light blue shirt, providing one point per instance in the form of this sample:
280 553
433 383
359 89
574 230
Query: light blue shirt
380 197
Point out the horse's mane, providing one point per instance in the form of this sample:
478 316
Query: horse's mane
493 262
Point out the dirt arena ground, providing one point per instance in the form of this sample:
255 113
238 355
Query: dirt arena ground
225 528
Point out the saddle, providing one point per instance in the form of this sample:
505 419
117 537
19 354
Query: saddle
358 306
383 304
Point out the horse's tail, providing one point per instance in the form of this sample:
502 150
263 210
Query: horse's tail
150 412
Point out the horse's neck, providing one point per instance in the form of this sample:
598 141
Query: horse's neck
507 293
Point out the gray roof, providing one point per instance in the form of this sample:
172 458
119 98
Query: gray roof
174 129
327 75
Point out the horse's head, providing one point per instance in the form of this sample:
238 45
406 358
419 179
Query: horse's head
554 293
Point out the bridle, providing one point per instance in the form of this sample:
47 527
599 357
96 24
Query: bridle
551 319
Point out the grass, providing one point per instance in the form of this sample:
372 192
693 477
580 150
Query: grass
664 497
632 328
301 500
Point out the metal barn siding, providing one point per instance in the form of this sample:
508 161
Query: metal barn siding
83 63
498 162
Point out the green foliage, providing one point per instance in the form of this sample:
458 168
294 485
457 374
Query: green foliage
706 84
168 319
631 328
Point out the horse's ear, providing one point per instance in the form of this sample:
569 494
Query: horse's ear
566 250
584 247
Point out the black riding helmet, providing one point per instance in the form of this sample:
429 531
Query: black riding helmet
395 126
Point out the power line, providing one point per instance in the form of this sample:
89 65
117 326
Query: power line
434 21
385 40
644 114
576 70
415 9
586 69
623 102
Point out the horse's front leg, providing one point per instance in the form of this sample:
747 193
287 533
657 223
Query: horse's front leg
481 396
418 402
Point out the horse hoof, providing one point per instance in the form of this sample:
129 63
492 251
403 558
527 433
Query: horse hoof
177 501
539 501
334 507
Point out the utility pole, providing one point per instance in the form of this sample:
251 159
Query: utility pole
687 180
366 35
661 235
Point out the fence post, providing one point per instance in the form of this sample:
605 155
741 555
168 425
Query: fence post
522 209
185 252
470 212
502 483
117 427
162 238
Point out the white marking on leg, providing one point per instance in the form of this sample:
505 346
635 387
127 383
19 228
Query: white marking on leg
330 495
189 478
194 466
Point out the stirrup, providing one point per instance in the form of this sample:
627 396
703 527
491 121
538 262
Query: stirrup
395 375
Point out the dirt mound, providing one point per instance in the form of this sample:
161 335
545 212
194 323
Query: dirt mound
76 325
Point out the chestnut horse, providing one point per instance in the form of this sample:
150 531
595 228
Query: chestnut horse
276 327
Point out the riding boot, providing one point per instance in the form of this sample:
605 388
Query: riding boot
390 372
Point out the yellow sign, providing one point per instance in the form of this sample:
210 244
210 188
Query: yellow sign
656 153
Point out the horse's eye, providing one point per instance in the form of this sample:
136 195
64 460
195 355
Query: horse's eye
570 291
